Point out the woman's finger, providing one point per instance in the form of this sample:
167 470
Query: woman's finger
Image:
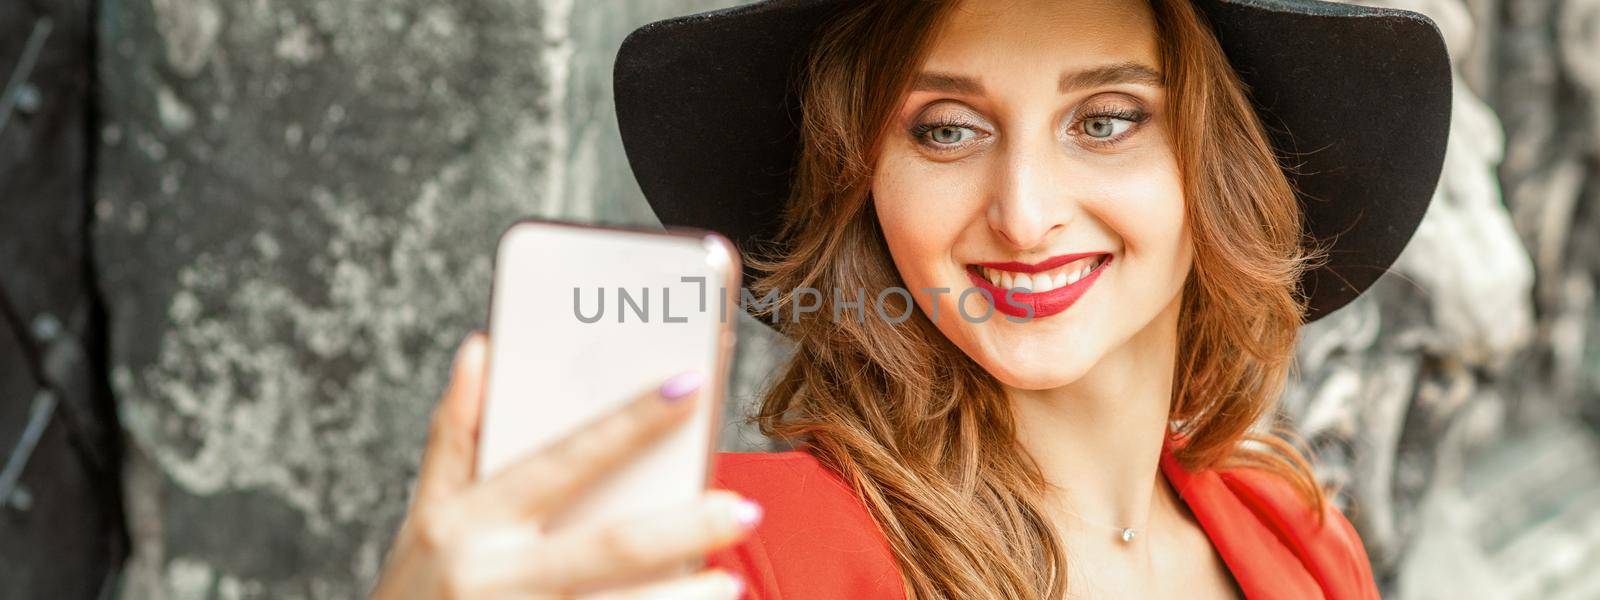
447 461
625 550
705 585
544 480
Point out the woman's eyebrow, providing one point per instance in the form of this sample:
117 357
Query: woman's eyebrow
1122 72
947 83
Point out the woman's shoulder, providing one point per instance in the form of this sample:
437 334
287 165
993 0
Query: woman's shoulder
776 471
816 538
1327 545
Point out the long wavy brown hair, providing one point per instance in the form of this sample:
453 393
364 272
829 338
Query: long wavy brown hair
925 434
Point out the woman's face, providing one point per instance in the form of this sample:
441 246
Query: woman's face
1035 133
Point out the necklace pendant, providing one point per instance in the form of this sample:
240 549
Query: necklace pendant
1127 535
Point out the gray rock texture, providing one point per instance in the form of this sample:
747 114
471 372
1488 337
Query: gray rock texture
1450 402
295 217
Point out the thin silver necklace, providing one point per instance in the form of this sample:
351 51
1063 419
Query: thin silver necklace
1126 534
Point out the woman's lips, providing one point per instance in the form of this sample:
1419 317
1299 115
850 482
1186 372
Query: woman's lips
1057 272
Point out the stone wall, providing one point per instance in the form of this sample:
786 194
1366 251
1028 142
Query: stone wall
1455 402
296 211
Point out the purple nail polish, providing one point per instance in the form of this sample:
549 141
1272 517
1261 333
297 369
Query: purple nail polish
681 385
748 513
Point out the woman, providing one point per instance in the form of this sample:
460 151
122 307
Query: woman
1091 178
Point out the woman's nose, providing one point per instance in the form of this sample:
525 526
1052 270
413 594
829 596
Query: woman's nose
1029 205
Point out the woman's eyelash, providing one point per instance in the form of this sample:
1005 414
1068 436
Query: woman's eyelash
1135 116
921 131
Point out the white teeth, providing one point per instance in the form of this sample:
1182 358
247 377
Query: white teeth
1050 282
1042 282
1078 273
1034 284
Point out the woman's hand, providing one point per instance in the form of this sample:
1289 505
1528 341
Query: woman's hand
467 539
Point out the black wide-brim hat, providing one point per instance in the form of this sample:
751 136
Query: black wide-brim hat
1356 98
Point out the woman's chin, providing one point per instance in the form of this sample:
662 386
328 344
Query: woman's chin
1036 371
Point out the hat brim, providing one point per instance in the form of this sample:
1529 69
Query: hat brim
1356 99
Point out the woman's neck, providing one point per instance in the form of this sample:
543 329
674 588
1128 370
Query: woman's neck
1098 440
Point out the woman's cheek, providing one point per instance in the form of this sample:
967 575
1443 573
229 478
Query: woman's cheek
1150 218
919 210
891 202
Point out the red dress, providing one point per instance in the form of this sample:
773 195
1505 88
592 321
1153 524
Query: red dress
816 539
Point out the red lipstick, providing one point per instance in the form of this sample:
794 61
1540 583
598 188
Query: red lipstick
1043 304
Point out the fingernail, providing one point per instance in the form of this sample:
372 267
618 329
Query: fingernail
747 513
682 385
465 347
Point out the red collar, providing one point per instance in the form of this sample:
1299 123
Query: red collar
1269 538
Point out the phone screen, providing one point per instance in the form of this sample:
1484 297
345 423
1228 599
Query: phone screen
583 319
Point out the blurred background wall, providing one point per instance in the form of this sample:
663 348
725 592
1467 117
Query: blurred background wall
297 206
295 202
61 533
1457 402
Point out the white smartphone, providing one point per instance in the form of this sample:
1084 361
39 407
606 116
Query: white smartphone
583 319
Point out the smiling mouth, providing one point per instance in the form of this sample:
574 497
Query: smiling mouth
1042 277
1041 289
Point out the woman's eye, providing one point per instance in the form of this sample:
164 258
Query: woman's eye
951 134
1104 128
1108 126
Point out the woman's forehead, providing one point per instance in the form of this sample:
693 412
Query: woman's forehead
999 39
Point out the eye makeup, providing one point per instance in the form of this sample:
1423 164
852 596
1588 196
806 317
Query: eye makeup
941 118
936 124
1133 116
